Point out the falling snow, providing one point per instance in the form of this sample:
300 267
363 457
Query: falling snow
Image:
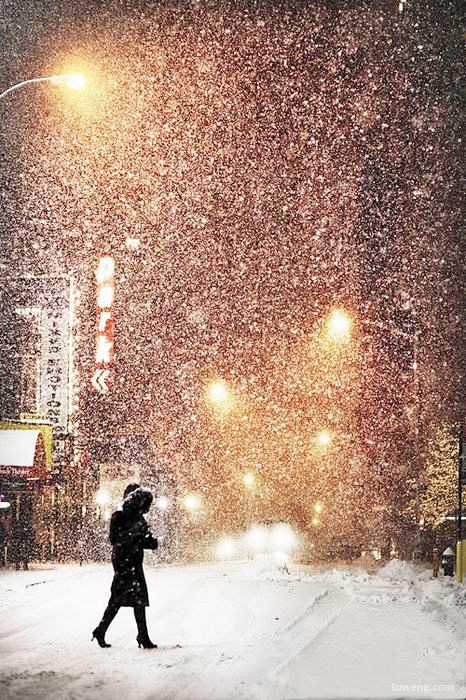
253 168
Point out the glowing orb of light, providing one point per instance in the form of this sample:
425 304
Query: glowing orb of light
192 502
225 548
75 81
339 325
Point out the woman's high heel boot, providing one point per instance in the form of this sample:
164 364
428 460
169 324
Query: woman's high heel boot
143 635
145 643
100 636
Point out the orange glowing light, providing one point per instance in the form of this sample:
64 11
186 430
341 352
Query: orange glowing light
339 325
324 438
219 395
249 480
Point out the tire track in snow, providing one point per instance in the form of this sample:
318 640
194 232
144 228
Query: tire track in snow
316 621
268 659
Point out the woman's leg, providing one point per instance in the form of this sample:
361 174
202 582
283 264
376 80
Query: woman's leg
109 614
143 635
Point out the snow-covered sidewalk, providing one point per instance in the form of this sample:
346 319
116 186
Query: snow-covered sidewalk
236 631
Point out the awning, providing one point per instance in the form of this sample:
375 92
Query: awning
22 453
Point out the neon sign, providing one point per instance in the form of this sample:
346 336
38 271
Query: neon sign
105 324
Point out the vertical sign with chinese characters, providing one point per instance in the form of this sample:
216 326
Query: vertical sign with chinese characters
104 342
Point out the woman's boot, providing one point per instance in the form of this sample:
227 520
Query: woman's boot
99 632
143 635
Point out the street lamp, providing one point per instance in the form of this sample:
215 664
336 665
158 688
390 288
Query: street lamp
338 329
219 396
324 438
339 326
192 502
73 81
249 480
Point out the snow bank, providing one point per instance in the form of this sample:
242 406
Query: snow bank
265 566
398 570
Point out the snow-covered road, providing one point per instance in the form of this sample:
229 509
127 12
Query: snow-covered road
245 630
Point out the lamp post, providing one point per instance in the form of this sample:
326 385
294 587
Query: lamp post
338 330
73 81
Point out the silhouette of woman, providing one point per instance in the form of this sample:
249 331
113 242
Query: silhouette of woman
130 536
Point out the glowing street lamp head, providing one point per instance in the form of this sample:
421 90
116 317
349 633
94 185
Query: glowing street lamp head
75 81
339 325
324 438
192 502
219 395
249 480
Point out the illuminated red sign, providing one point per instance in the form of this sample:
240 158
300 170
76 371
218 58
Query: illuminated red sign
105 326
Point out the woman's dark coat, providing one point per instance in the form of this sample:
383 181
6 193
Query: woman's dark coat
130 536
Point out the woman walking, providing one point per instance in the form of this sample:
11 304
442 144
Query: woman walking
130 536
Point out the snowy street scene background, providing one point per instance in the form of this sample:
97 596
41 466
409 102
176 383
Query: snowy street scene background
231 273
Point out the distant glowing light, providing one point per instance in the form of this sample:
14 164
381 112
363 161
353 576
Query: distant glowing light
260 539
102 498
218 392
219 395
192 502
339 325
324 438
318 507
315 521
249 480
162 503
256 539
225 548
283 538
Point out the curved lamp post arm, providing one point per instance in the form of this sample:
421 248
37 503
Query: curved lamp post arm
49 79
